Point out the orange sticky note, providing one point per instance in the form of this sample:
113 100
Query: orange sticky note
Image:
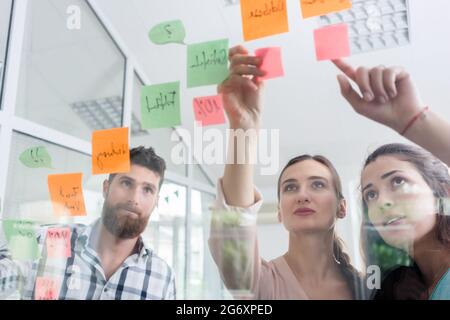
66 194
313 8
58 243
262 18
271 62
209 110
110 151
332 42
46 289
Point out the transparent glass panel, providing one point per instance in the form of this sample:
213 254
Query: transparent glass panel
71 80
5 17
166 230
159 139
27 195
203 280
200 176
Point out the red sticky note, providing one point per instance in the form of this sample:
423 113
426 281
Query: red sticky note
110 151
46 289
271 62
58 243
66 194
209 110
332 42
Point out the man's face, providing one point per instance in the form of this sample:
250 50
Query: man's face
129 200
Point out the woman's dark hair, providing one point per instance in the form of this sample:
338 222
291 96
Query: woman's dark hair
434 172
352 275
147 158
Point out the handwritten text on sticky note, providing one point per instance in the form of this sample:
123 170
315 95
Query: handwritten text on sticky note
167 32
58 243
209 110
21 237
110 151
160 105
207 63
332 42
262 18
313 8
46 288
36 157
66 194
271 62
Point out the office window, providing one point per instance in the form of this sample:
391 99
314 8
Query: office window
166 230
159 139
27 195
71 80
5 17
200 175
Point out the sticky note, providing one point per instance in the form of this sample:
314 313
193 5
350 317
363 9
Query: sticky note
262 18
36 157
21 237
66 194
313 8
168 32
332 42
209 110
58 243
160 105
46 288
271 62
110 151
207 63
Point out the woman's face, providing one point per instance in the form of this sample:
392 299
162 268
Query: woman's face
308 201
400 204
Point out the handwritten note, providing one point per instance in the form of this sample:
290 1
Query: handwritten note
58 243
160 105
21 237
46 288
332 42
168 32
36 157
209 110
66 194
262 18
110 151
207 63
271 62
313 8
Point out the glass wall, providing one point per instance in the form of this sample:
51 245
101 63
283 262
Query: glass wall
71 80
5 17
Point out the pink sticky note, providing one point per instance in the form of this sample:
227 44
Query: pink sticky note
271 62
58 243
332 42
209 110
46 289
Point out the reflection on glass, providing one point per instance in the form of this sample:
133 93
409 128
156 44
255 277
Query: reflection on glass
204 280
70 80
166 230
159 139
27 194
5 15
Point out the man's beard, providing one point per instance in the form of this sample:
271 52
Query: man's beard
122 225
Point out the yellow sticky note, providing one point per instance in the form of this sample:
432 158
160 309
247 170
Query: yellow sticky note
110 151
314 8
66 194
262 18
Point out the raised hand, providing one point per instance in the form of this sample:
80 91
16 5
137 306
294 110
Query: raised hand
388 95
241 91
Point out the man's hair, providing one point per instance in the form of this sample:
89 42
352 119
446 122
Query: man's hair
147 158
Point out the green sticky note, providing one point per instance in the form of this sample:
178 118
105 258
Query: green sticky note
168 32
207 63
160 105
36 157
21 237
